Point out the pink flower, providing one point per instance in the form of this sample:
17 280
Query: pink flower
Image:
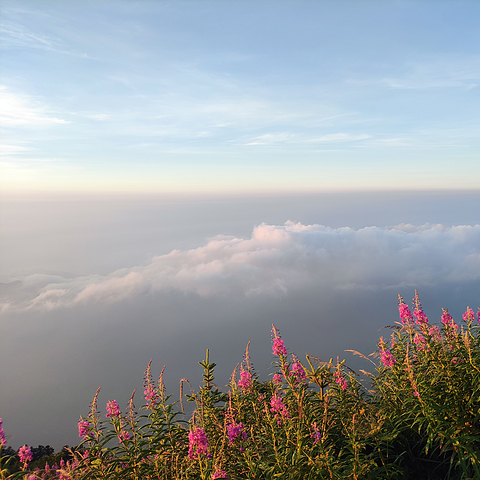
405 313
3 440
468 316
149 392
419 341
234 430
25 454
447 318
434 332
340 380
278 408
298 372
198 443
150 396
421 318
113 410
316 434
123 435
387 358
245 382
450 325
278 347
277 379
83 428
219 474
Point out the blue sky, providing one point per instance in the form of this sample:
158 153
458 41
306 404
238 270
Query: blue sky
239 96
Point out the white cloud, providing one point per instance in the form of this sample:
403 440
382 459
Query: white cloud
274 138
441 72
271 138
338 137
276 260
16 35
99 117
6 150
22 110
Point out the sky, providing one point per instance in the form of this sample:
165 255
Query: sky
239 96
177 176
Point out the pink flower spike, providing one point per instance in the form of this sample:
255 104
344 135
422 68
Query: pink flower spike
446 318
198 444
83 428
113 410
387 359
278 347
219 474
340 380
150 396
235 430
298 372
278 408
149 392
419 341
316 434
3 440
123 435
25 454
245 382
420 316
404 312
434 332
468 316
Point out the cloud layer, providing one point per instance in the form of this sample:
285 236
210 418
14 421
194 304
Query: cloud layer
272 262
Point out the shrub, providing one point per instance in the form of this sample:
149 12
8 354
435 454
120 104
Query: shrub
417 416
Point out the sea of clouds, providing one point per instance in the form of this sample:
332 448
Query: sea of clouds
328 289
274 261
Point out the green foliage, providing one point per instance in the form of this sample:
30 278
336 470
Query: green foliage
418 416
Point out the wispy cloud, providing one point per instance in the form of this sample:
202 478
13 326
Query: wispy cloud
417 141
275 138
440 73
23 110
338 137
274 261
443 72
100 117
17 35
271 138
7 150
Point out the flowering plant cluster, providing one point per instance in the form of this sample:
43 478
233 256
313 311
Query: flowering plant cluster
3 440
416 416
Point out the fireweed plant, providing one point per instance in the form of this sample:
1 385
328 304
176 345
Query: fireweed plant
416 417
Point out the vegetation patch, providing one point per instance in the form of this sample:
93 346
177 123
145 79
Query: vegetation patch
416 415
